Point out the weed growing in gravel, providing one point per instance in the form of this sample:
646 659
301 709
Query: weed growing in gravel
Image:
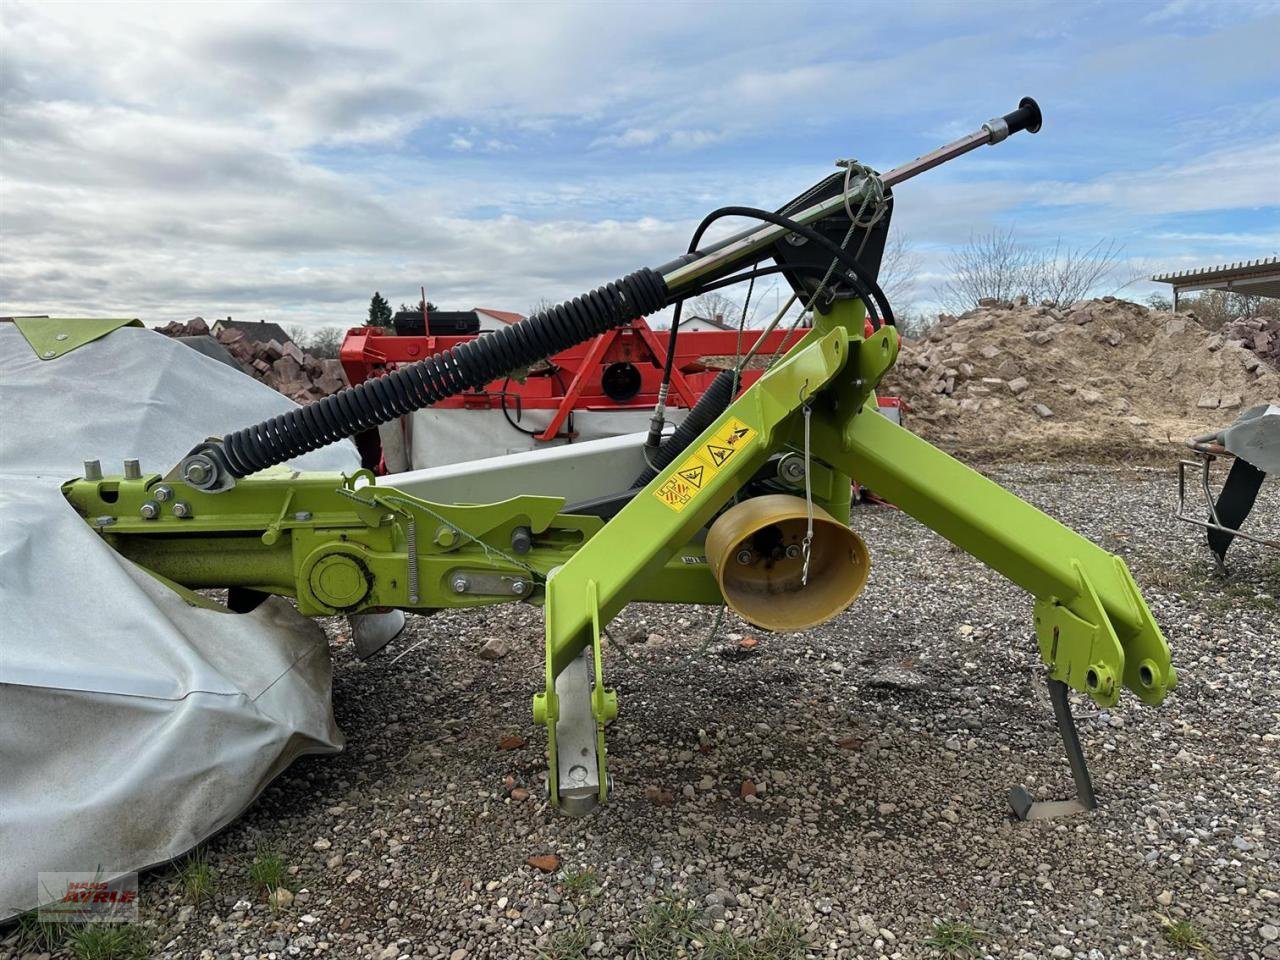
1184 935
571 944
268 871
36 935
196 876
107 941
667 929
578 883
782 940
955 938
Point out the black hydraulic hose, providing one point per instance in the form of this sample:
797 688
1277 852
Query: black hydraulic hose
467 366
713 402
868 290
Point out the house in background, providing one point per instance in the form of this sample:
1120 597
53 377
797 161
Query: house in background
491 320
259 331
704 324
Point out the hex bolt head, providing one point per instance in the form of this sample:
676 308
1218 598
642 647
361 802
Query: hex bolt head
162 493
92 470
149 510
302 516
745 557
132 470
794 551
792 469
517 587
181 509
460 584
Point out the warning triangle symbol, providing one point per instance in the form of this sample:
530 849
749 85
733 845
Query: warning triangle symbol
739 434
693 475
719 454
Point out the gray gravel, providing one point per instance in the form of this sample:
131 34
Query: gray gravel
879 750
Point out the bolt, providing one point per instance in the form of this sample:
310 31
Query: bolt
792 469
162 493
49 354
196 472
61 336
302 516
460 584
181 509
521 539
149 510
745 557
132 470
446 536
92 470
794 551
517 586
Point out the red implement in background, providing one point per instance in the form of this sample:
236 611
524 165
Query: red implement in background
618 370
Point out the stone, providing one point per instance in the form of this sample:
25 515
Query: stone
459 954
1209 400
1017 385
748 789
321 844
1164 898
512 741
389 953
281 898
546 862
1061 952
519 794
493 648
990 352
1043 412
887 808
1269 931
1041 337
1091 396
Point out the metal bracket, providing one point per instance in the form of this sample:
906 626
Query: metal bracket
575 708
1024 808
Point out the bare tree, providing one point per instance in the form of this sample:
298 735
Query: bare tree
1069 273
992 265
898 269
997 266
539 305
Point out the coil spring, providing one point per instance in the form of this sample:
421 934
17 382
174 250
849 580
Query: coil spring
467 366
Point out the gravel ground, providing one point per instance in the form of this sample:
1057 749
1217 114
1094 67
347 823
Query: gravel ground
828 794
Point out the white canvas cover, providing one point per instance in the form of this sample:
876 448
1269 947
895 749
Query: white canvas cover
132 724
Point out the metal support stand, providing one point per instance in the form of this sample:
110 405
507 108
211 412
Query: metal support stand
1024 808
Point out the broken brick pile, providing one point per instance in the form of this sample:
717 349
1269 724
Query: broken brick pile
1259 334
282 366
1105 374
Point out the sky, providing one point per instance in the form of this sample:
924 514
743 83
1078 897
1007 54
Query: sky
282 161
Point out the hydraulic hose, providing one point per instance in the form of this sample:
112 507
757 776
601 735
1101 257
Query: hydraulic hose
710 405
465 367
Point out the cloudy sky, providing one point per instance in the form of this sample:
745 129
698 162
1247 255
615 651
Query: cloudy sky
284 160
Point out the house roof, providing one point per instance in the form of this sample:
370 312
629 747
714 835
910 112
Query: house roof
259 330
1252 277
506 316
709 321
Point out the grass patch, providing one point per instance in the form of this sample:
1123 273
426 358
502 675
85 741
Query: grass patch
39 936
571 944
268 871
955 938
107 941
1184 935
782 940
578 883
196 876
667 930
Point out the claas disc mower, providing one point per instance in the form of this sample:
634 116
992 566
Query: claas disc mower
746 503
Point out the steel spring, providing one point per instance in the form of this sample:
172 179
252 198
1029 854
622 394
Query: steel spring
467 366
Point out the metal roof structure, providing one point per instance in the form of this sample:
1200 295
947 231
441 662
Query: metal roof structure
1250 278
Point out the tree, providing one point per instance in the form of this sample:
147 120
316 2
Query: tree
998 266
417 307
325 343
379 311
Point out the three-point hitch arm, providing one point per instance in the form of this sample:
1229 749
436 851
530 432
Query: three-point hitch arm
230 515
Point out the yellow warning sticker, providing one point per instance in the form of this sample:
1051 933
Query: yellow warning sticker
692 476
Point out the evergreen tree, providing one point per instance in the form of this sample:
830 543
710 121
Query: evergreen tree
379 311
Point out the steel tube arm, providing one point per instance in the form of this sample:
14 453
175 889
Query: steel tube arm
1094 628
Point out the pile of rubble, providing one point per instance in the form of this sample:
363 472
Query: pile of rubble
1259 334
1102 375
282 366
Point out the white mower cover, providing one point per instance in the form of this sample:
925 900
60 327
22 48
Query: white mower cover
132 724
